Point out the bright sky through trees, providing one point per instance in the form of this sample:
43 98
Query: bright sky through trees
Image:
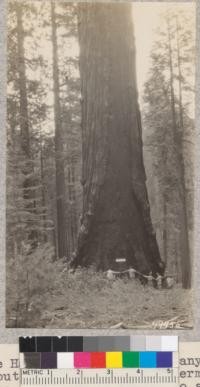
147 18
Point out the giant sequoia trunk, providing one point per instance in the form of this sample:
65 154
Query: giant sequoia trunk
116 219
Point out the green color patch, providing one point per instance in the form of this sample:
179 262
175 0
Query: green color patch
131 359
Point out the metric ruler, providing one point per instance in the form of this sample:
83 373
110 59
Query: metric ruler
95 377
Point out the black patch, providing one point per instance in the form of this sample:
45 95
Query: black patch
44 344
75 344
27 344
59 344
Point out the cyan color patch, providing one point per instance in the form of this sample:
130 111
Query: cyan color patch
148 360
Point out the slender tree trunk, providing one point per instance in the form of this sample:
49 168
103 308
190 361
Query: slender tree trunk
59 152
44 236
116 215
165 230
179 79
74 213
185 251
24 121
28 168
72 227
70 203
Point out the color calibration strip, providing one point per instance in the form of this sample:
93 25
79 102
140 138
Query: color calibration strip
135 343
67 360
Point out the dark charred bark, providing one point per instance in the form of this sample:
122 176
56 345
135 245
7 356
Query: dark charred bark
178 146
116 218
59 151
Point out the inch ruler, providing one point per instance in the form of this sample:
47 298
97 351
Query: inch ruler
93 377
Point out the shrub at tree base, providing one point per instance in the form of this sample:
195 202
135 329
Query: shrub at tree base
47 294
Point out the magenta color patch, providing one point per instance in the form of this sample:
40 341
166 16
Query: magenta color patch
82 360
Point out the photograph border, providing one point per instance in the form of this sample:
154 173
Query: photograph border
10 335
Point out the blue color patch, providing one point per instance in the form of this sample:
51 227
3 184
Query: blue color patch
164 359
148 360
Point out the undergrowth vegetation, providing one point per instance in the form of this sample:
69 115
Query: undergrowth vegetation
42 292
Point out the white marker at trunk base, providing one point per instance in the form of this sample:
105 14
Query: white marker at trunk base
120 260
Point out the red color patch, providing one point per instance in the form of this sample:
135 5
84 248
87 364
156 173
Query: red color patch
98 360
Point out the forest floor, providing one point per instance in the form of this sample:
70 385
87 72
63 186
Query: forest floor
56 298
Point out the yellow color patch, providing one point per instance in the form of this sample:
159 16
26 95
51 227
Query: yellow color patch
113 359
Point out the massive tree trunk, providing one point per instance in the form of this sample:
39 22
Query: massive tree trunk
59 151
116 215
178 147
